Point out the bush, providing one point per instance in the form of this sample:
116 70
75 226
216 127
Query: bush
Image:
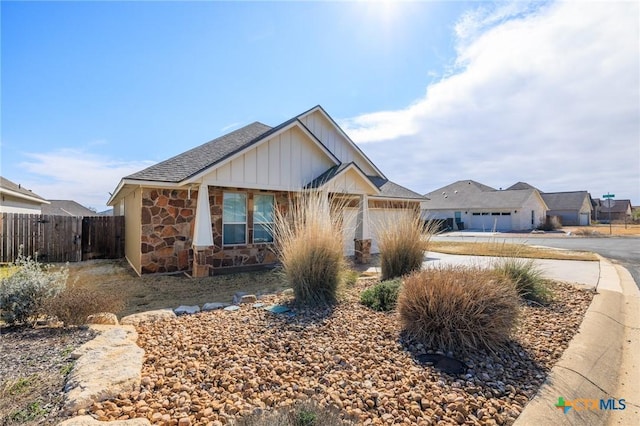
75 303
383 296
24 293
309 244
525 276
307 413
452 308
402 240
350 277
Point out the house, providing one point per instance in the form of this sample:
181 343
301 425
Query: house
14 198
211 208
67 208
573 207
621 210
468 204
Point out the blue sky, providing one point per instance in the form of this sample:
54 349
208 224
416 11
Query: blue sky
433 92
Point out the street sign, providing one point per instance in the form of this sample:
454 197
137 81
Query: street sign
609 196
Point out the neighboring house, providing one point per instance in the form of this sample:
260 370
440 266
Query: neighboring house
211 207
468 204
620 211
16 199
573 208
67 208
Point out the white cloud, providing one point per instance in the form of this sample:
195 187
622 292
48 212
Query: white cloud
71 174
547 94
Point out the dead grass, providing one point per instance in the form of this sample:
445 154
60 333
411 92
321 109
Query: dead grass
617 229
505 249
458 309
169 291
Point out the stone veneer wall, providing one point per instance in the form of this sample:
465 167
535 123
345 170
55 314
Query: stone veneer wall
217 257
167 226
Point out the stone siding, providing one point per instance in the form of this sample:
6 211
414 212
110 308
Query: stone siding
168 217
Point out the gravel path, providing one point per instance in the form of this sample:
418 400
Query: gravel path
212 367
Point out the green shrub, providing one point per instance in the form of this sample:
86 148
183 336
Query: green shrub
309 242
458 309
305 413
382 296
24 293
527 278
75 303
402 240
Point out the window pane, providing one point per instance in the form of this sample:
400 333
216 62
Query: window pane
263 208
262 234
234 234
234 208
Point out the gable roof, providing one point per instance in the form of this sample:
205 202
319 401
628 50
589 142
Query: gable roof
18 191
573 200
521 185
620 206
67 208
466 186
344 134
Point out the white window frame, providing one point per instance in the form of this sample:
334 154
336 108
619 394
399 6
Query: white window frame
246 217
273 196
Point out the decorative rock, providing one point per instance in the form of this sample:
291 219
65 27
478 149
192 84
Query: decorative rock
248 298
232 308
157 315
187 310
213 306
257 305
104 318
238 297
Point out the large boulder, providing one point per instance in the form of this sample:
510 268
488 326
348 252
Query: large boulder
90 421
106 366
157 315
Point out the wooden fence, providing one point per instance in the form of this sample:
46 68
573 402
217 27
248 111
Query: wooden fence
61 238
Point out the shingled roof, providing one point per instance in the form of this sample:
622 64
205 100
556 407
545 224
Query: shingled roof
189 163
465 194
565 200
7 186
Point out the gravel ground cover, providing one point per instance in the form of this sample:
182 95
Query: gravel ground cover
214 367
34 365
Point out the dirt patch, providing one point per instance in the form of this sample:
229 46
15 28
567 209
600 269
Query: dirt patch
151 292
35 363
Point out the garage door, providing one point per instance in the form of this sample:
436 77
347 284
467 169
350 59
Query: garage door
495 221
584 219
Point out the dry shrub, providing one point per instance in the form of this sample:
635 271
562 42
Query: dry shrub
458 309
302 413
75 303
309 244
402 239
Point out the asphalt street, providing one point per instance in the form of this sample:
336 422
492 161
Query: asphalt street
622 250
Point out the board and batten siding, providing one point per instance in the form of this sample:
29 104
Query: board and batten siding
336 142
133 228
286 161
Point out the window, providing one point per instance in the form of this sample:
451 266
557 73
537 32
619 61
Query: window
234 218
262 218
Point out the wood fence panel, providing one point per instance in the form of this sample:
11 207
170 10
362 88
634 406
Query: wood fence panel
61 238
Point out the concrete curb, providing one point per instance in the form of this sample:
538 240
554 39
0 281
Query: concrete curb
600 362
